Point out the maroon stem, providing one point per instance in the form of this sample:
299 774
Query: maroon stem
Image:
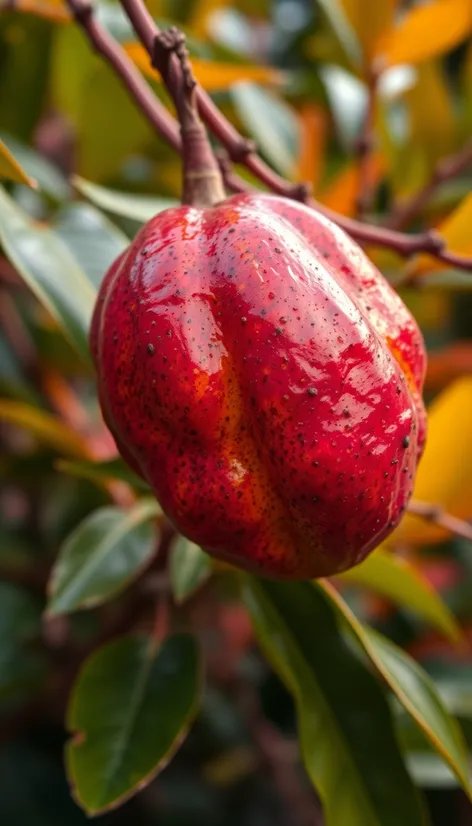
142 94
236 147
203 183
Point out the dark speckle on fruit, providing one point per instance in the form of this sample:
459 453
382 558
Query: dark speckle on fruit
274 418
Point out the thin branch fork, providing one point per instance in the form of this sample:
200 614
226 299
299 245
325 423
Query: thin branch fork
237 149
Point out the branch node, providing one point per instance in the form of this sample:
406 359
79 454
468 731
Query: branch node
433 242
301 192
203 184
82 11
239 151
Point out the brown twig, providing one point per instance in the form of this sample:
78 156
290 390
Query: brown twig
142 94
447 169
364 148
237 148
437 515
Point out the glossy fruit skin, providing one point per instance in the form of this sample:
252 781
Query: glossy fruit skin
259 372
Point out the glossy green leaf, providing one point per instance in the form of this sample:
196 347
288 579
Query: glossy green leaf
346 730
49 269
415 691
271 122
130 709
426 766
429 771
11 169
103 471
403 584
190 567
92 239
19 624
102 555
138 207
49 179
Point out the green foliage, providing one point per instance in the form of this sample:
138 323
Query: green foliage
378 670
103 555
189 568
346 757
130 709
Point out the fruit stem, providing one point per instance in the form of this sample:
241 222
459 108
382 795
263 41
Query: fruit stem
202 180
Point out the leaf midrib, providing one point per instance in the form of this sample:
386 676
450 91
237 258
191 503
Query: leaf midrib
337 731
132 519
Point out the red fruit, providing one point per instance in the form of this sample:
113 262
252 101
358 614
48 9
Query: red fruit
258 371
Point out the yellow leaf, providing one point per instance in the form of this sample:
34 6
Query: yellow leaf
341 194
51 9
426 31
210 74
403 584
431 114
11 169
413 688
45 428
313 131
445 471
456 231
370 19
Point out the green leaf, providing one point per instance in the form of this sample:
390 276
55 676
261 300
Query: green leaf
415 691
49 269
11 168
137 207
400 582
190 567
101 556
271 122
19 624
130 710
103 471
346 730
50 180
429 771
92 239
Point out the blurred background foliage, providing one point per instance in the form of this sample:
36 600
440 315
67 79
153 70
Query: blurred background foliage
83 170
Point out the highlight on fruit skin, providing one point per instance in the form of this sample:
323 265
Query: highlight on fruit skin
257 370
